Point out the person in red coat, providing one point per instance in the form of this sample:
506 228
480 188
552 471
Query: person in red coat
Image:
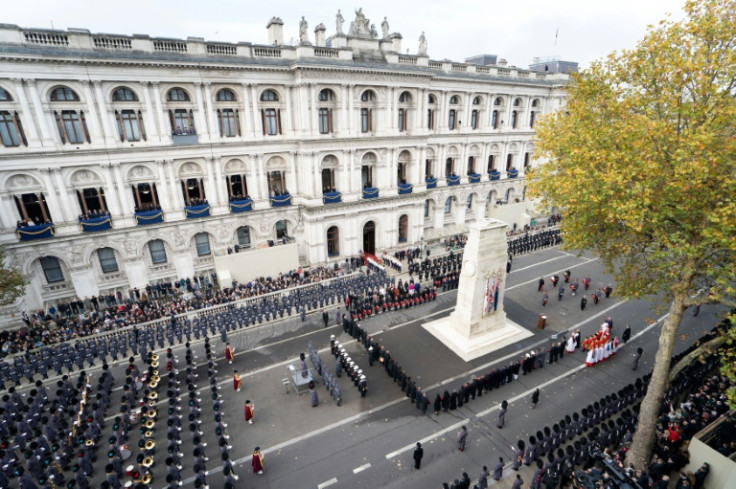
249 410
229 353
237 383
257 461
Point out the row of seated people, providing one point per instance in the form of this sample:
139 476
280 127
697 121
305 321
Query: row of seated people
93 214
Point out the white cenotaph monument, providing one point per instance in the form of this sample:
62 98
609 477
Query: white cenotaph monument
478 325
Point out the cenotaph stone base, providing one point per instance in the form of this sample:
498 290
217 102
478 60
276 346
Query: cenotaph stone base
478 325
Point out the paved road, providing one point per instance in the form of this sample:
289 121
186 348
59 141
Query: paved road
368 442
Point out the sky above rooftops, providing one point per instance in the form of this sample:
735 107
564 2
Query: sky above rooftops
572 30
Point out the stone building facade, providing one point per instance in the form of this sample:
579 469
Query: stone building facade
131 159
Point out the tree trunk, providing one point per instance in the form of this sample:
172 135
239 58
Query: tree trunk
642 443
704 349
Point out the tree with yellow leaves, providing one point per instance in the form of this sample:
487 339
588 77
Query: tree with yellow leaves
12 283
642 163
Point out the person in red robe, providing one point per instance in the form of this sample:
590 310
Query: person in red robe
229 353
237 383
257 461
249 409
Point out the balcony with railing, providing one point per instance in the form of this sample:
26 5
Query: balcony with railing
513 173
431 182
453 180
94 223
35 231
150 216
184 137
241 205
370 193
195 211
282 200
333 197
474 177
405 188
494 175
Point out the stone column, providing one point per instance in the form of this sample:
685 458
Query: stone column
164 193
345 174
29 126
287 126
55 207
202 129
210 110
263 179
48 138
418 118
153 132
465 116
247 112
417 176
164 127
127 202
209 185
92 121
351 129
291 181
390 122
69 210
442 117
104 107
343 130
8 214
111 193
316 187
312 112
255 187
257 131
220 190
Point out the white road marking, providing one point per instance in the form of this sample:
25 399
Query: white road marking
327 483
361 468
481 414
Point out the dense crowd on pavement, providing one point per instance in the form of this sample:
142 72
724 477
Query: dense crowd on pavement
79 318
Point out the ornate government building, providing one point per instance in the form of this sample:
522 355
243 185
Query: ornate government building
131 159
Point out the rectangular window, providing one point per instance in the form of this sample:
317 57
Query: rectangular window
474 119
107 260
453 116
513 119
158 251
228 123
72 127
202 241
494 119
182 122
449 167
531 119
129 125
52 269
271 121
426 209
430 119
428 168
325 121
11 132
402 120
366 120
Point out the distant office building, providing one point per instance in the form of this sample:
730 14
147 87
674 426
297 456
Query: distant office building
482 59
553 65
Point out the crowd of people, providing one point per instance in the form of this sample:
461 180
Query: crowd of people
36 221
78 318
93 214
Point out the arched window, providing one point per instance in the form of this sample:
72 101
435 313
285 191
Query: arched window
281 229
432 102
124 94
367 96
405 98
226 95
477 101
454 100
517 102
244 237
71 123
64 94
498 101
333 241
108 262
403 228
177 95
5 96
157 249
269 96
202 243
52 269
470 202
367 99
448 205
326 95
431 99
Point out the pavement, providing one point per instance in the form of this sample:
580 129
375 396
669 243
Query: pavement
368 442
